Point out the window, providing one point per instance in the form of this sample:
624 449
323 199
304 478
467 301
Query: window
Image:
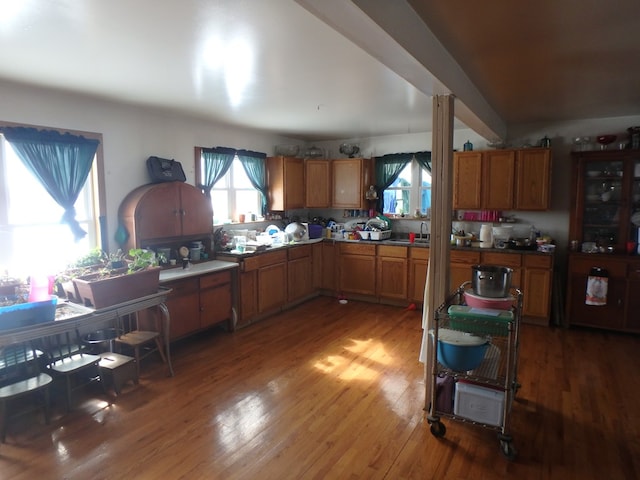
233 195
32 239
410 191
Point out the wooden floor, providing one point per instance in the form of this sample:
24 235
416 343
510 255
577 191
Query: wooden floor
331 391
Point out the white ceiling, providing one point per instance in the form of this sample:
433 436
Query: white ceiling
325 69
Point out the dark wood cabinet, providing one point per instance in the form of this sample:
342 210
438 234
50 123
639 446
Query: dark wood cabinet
157 212
605 216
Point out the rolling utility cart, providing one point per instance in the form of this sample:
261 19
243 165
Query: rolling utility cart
474 357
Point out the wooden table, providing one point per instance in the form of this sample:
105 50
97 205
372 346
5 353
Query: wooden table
96 319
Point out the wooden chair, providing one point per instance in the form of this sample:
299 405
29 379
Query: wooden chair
144 342
67 359
20 376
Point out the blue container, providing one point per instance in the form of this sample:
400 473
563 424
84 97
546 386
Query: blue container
26 314
460 351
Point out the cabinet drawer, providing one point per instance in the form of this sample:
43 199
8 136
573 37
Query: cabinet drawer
299 252
357 249
419 253
272 258
251 263
584 265
181 287
538 261
215 279
459 256
502 259
392 251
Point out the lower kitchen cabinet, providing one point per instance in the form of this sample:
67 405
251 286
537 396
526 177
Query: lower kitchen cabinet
460 262
299 273
391 273
357 271
537 287
248 297
328 267
418 263
196 303
610 316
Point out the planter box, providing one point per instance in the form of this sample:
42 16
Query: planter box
25 314
105 292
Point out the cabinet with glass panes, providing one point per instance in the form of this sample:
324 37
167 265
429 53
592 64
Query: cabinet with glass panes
605 203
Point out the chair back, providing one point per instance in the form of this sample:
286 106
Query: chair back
17 362
63 347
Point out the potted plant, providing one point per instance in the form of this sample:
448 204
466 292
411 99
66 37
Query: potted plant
109 287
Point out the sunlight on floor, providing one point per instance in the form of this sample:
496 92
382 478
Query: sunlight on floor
348 367
240 423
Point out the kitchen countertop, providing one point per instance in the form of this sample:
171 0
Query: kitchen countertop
399 242
199 268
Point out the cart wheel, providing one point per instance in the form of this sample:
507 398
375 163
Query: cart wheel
438 429
508 450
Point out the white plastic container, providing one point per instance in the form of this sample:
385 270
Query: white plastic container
486 236
480 404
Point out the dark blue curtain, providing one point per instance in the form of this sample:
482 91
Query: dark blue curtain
217 162
424 160
254 166
61 162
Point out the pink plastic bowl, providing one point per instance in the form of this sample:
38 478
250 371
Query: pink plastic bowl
476 301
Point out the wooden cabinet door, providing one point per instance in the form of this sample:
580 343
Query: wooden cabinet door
184 307
299 273
272 287
533 186
159 214
215 298
498 179
316 267
609 316
285 180
195 210
392 277
317 181
248 297
632 322
347 183
358 274
328 276
467 180
536 300
418 263
391 272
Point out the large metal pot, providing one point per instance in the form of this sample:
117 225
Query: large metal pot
491 281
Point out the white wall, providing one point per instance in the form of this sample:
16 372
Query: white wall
130 135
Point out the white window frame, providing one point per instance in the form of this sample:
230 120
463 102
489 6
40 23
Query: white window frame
416 188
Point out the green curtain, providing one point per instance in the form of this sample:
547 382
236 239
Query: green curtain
424 160
60 162
216 163
387 169
255 167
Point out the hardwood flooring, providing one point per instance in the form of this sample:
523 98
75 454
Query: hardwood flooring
330 391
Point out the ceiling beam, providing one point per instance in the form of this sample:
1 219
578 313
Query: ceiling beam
395 35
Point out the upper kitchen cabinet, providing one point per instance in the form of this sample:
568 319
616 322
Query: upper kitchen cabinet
351 178
502 179
533 174
165 210
285 181
317 181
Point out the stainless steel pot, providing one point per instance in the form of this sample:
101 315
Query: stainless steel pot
491 281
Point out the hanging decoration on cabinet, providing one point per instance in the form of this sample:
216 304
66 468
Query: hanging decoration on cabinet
597 286
165 170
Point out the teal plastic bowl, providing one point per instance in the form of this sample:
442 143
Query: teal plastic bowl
460 351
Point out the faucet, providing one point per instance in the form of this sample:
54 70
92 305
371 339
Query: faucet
424 224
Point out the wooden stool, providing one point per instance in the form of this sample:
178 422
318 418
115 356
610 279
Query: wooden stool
117 370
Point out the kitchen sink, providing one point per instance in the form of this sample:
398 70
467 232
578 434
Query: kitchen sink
405 241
